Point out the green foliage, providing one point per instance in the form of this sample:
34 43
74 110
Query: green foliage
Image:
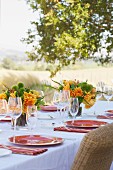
70 30
85 86
18 89
8 63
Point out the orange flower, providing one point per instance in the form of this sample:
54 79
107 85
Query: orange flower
3 96
85 92
29 100
87 97
78 92
88 106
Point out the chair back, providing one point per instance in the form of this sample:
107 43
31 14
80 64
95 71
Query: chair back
96 150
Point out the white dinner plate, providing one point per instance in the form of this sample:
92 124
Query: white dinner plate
5 152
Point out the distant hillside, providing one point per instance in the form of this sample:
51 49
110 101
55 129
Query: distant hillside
15 55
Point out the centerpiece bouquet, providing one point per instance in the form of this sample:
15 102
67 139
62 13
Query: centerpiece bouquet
29 97
85 92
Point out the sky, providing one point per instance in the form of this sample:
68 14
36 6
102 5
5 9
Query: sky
15 17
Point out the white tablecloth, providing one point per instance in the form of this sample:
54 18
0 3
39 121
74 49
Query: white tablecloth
59 157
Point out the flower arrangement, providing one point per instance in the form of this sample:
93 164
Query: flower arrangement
28 96
85 92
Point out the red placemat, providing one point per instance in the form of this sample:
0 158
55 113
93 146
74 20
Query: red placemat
109 111
104 117
6 119
78 130
25 151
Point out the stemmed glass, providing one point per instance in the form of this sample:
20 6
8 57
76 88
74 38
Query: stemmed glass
100 89
61 101
73 107
15 108
108 93
65 97
3 108
57 102
31 117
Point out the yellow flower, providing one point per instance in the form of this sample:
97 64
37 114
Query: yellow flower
66 87
3 96
90 104
71 82
12 94
36 93
93 90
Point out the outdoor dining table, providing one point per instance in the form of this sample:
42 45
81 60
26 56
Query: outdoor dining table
57 157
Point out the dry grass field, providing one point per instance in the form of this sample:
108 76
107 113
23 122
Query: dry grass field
29 78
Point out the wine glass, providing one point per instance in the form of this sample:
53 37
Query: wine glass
61 101
3 108
100 90
32 117
57 102
15 108
73 107
108 93
65 97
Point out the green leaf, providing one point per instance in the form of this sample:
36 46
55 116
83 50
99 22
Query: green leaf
20 85
72 86
15 87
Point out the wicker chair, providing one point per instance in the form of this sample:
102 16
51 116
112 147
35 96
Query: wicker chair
96 150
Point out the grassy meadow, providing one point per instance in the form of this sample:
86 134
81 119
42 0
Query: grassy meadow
32 78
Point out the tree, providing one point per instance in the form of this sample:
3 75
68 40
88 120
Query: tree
8 63
71 30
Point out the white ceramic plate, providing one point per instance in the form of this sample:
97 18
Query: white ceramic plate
5 152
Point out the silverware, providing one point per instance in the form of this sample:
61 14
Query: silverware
51 116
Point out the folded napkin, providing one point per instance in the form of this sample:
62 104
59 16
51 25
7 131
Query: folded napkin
6 119
48 108
25 151
109 111
68 129
104 117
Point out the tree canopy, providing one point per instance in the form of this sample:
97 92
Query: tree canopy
70 30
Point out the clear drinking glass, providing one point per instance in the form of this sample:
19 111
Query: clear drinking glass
108 94
100 89
66 96
57 102
3 108
61 101
73 107
31 117
15 108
